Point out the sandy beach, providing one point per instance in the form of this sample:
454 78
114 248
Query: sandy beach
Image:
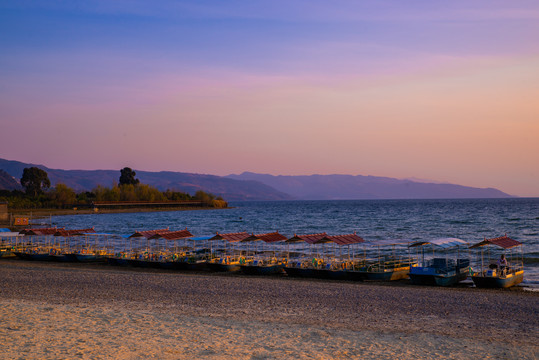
53 311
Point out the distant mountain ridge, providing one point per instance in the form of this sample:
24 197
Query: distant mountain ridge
85 180
348 187
252 186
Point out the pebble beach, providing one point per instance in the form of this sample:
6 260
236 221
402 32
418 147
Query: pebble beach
54 311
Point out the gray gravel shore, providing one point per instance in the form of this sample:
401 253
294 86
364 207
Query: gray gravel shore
508 316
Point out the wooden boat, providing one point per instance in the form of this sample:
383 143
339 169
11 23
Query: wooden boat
388 265
185 259
440 271
94 255
64 245
260 261
224 264
9 243
178 251
326 264
144 250
118 259
90 246
262 267
34 253
225 259
386 268
5 252
302 264
121 249
494 275
342 266
39 244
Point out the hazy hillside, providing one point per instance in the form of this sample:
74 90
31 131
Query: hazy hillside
329 187
229 189
251 186
7 182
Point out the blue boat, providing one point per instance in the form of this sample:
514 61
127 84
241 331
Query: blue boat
493 273
441 271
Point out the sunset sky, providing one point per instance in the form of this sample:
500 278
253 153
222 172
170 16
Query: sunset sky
440 90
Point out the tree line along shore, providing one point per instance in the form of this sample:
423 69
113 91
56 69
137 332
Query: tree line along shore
39 199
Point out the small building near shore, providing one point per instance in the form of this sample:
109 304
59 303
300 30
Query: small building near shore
4 215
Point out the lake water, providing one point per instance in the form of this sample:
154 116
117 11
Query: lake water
470 220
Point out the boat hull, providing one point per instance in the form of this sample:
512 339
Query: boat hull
63 258
183 265
385 275
498 282
219 267
90 258
117 261
6 253
33 257
262 269
420 276
299 272
314 273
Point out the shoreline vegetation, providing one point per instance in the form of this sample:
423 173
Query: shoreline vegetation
88 310
129 195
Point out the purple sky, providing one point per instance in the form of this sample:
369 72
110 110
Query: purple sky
434 90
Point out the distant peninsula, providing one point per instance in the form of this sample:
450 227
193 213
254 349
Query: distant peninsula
251 186
351 187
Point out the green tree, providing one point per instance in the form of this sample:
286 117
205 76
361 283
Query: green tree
127 177
62 195
100 192
205 197
128 192
35 180
176 195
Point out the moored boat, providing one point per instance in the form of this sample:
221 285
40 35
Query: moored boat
142 252
441 271
188 255
39 244
327 259
300 263
391 262
501 273
224 258
9 243
64 246
262 260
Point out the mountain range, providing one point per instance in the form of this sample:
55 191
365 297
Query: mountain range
344 187
252 186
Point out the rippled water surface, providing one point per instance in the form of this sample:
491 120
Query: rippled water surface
470 220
